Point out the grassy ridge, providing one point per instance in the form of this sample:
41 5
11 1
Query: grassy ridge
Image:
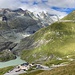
70 16
59 41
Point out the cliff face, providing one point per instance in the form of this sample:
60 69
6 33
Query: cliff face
21 23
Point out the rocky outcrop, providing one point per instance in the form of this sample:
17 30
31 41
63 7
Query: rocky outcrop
7 45
6 55
19 24
4 45
6 49
22 23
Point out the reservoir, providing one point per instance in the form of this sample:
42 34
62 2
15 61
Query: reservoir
15 62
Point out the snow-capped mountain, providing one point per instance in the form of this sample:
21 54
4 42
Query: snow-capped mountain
18 24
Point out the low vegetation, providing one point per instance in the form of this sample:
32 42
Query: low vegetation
70 16
33 73
4 70
6 55
65 70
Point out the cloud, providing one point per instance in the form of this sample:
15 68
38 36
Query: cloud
62 3
62 7
9 3
39 7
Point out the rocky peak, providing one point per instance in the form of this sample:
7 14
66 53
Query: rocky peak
43 15
19 10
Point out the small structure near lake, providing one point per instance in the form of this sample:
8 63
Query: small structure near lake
24 66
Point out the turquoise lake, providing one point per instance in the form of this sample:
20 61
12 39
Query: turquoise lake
15 62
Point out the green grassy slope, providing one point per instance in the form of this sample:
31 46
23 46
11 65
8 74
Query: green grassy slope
65 70
33 73
59 42
70 16
4 70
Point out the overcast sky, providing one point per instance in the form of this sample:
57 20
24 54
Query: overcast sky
59 7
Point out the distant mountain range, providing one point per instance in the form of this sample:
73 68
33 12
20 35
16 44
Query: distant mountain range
22 21
18 24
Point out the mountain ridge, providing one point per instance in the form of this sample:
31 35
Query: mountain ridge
18 24
50 43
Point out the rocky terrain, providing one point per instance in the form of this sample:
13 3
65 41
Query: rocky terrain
18 24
